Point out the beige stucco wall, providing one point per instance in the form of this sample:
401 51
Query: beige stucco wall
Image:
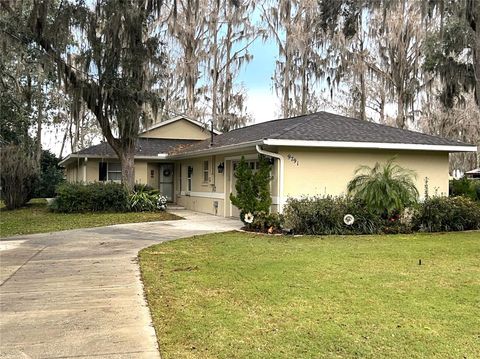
328 171
181 129
151 181
76 171
203 195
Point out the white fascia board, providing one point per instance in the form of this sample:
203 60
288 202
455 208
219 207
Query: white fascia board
65 160
215 150
160 156
372 145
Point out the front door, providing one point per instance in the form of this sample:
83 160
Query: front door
166 180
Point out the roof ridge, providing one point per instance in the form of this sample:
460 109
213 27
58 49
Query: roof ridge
288 129
394 127
264 122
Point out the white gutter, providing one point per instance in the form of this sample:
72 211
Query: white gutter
160 156
280 174
214 150
373 145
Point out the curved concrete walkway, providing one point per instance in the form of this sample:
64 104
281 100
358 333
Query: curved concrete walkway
78 294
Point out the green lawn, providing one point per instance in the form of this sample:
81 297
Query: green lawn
238 295
35 218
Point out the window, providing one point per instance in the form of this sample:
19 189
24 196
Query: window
109 171
205 171
189 178
180 178
114 172
254 165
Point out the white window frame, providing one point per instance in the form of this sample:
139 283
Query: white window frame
206 171
180 178
110 171
189 180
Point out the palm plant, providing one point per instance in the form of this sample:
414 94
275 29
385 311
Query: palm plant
385 189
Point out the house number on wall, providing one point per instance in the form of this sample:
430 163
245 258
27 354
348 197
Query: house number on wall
293 159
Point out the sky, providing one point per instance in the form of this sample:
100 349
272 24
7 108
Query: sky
256 78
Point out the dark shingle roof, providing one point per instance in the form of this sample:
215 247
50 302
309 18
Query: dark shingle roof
144 147
322 126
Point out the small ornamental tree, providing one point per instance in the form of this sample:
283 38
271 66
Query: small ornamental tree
253 189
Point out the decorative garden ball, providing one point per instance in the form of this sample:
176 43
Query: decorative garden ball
348 219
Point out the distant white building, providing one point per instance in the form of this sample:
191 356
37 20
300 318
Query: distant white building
475 173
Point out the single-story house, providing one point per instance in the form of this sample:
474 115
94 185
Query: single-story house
313 154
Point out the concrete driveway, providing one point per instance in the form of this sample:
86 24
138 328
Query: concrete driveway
78 294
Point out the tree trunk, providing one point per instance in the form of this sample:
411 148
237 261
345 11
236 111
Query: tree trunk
287 68
400 122
382 107
190 79
214 70
127 161
227 91
363 97
65 135
304 85
476 53
38 149
286 81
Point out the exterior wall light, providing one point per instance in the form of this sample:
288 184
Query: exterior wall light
221 167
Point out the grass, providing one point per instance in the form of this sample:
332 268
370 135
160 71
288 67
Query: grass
238 295
36 218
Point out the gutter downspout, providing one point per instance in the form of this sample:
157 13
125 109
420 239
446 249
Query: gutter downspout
280 175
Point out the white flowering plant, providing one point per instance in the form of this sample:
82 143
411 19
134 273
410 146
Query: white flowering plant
162 202
248 218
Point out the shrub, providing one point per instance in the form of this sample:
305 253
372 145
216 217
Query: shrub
146 198
253 189
325 215
19 175
438 214
267 222
386 189
465 187
140 187
142 201
92 197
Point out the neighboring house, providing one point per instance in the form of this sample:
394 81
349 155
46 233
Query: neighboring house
473 174
313 155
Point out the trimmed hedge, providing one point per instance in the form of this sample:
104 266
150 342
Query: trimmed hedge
324 215
444 214
91 197
321 216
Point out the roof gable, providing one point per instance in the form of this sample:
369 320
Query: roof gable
180 127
